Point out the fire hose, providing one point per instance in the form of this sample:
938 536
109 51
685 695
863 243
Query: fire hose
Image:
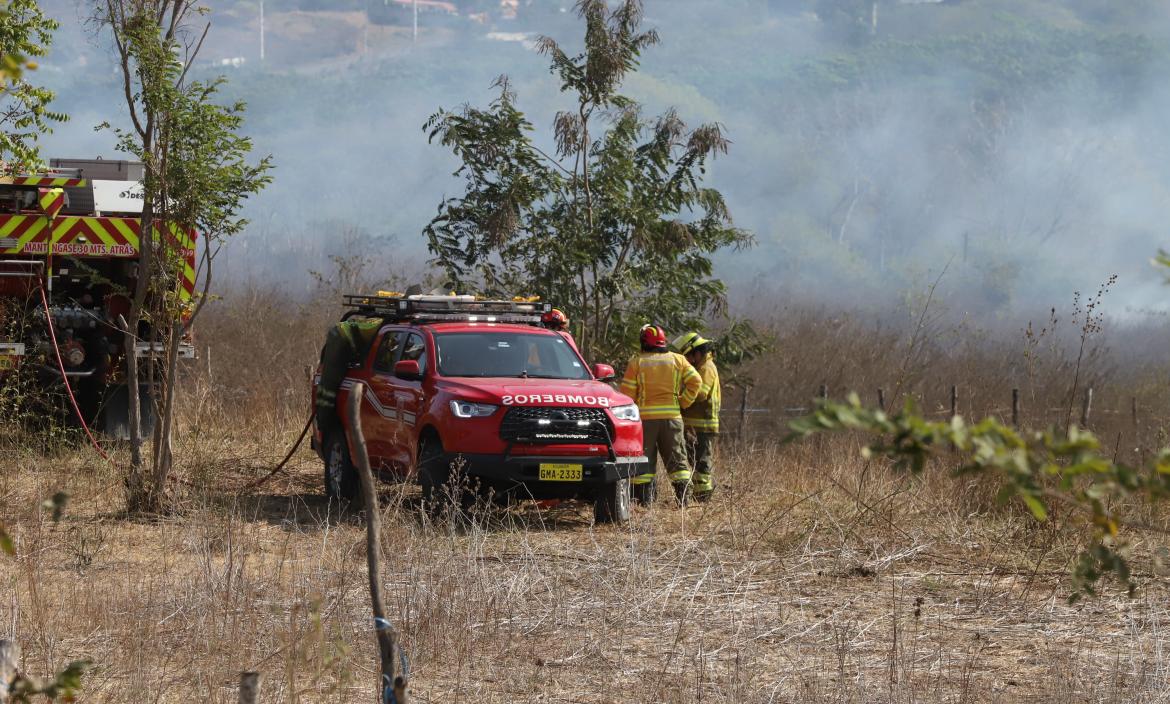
89 434
296 445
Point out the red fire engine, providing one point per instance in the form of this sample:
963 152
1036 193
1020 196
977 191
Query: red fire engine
73 234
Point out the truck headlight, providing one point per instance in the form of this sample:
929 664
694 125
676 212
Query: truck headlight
467 409
629 412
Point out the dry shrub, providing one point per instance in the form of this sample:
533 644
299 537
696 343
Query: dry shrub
1124 364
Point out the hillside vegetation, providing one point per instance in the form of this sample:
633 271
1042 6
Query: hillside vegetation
997 133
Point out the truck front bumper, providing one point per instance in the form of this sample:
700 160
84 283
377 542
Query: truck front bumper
522 473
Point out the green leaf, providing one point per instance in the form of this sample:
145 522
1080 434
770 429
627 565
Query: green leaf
1035 505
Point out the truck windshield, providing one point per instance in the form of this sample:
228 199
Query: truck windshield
507 354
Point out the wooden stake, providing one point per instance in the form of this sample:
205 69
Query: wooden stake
9 666
392 687
1087 407
1133 411
954 401
743 404
1016 408
824 392
882 399
249 687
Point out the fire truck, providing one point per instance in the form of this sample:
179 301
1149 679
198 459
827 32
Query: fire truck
69 246
472 397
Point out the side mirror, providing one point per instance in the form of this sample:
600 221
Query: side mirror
603 372
407 369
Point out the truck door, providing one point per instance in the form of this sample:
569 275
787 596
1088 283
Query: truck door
379 415
408 396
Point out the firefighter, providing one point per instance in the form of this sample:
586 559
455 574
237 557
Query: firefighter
662 383
555 319
701 418
345 343
558 322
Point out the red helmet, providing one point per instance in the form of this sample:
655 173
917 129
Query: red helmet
555 319
653 337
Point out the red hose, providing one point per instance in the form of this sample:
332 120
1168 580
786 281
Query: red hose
64 378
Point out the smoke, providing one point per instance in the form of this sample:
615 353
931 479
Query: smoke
1021 146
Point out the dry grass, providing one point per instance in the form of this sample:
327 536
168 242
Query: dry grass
809 578
812 577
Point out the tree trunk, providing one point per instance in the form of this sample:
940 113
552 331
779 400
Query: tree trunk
140 496
165 421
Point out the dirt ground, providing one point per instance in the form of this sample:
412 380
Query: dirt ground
811 577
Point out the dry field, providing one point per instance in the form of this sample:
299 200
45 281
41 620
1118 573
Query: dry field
812 577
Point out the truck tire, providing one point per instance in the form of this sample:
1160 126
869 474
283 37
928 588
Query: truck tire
439 497
431 474
341 478
114 419
612 505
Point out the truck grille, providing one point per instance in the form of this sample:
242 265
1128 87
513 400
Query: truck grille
547 425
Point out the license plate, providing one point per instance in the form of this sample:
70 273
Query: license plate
560 472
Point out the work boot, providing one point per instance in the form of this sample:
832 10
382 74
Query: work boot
701 487
644 494
682 493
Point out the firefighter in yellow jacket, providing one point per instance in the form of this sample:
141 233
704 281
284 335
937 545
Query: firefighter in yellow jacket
662 383
701 419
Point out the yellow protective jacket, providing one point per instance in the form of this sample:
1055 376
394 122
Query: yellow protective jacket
703 414
661 383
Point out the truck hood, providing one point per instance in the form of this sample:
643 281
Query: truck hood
537 392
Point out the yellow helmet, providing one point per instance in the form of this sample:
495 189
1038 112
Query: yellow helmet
688 342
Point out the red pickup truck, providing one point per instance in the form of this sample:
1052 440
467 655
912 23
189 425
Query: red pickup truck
455 386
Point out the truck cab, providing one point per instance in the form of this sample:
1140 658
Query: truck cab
491 402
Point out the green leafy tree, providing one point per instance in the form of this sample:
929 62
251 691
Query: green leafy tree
614 224
25 35
197 176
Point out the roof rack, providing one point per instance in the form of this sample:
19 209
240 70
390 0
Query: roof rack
431 308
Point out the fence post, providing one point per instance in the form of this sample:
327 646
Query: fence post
1133 411
391 687
9 666
954 400
741 430
824 392
249 687
882 399
1087 407
1016 409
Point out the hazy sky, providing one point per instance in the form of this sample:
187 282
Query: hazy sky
966 138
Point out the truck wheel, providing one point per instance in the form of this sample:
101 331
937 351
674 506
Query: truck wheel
431 474
438 494
114 419
341 479
612 505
